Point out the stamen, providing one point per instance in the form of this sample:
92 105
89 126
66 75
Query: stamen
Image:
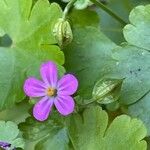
50 92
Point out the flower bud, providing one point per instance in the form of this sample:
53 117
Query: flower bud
62 32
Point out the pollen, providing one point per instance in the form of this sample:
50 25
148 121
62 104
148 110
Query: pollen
50 92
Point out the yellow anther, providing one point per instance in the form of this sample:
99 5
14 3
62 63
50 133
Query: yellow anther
50 91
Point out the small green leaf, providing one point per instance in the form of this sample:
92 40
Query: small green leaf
18 113
19 143
91 131
139 26
44 135
107 90
34 130
9 133
141 110
58 140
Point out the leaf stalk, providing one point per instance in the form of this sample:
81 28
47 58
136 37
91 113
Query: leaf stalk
67 8
109 11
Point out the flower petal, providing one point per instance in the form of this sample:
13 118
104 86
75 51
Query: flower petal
64 104
49 73
67 85
42 108
4 145
34 88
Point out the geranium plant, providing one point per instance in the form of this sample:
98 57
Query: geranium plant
74 74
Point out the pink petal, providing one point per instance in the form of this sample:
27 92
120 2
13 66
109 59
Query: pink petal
34 88
49 73
67 85
64 104
42 108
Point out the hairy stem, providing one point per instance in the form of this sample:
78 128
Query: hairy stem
109 11
67 8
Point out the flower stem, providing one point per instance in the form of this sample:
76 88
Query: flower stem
67 8
88 103
109 11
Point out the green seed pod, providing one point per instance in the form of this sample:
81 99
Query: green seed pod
107 91
62 32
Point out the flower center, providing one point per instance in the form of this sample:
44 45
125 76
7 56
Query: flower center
51 91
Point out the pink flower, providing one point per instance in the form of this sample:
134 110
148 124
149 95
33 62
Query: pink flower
52 91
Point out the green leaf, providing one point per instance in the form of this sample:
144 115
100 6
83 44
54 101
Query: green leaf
141 110
30 29
9 133
107 91
89 55
76 16
18 113
56 133
133 59
47 134
133 65
113 29
123 133
57 140
91 58
34 130
139 26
